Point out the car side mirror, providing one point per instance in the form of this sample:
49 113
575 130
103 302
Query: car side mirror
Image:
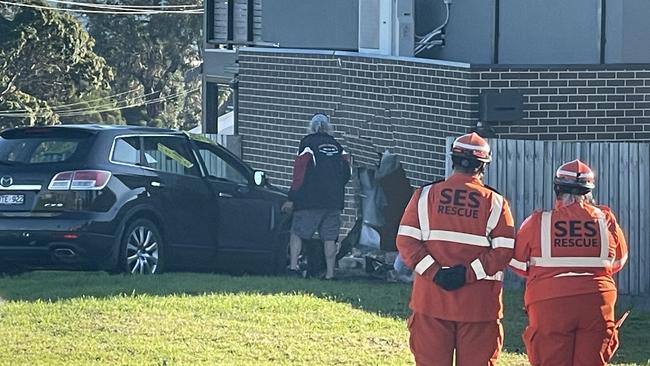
259 177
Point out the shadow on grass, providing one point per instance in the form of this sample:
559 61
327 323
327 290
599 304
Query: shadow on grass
375 296
390 299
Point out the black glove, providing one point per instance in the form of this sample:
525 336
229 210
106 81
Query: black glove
451 278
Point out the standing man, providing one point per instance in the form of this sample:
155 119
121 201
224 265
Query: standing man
458 236
569 255
317 193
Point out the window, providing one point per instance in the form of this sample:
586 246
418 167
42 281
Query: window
219 168
36 151
220 109
127 150
169 154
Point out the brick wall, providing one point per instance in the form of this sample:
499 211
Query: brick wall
374 104
577 103
410 107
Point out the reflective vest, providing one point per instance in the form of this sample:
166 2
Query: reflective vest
570 250
459 221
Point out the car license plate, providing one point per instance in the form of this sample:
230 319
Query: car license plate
12 199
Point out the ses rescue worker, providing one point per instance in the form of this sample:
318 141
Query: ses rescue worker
568 256
458 236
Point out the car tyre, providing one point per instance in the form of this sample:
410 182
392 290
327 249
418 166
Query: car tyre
142 248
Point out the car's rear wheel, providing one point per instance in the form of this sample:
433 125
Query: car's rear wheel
142 249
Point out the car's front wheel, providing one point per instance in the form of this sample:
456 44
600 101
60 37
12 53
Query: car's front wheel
142 249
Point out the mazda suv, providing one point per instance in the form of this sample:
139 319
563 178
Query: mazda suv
134 199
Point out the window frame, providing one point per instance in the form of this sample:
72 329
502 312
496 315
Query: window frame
228 157
145 163
141 136
139 150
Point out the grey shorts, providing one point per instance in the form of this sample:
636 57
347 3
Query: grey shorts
326 222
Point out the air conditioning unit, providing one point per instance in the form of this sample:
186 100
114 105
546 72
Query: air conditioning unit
386 27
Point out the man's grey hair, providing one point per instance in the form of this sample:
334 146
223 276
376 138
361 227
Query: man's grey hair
320 123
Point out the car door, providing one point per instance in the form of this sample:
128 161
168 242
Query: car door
245 220
186 200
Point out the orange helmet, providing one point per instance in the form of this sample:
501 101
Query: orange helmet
472 146
575 175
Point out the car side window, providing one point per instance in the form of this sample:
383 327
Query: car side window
169 154
217 167
127 150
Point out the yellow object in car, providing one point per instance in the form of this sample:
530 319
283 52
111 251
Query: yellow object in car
174 155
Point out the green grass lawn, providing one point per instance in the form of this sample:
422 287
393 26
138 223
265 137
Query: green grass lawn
68 318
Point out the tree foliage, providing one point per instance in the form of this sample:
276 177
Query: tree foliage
153 52
97 107
46 59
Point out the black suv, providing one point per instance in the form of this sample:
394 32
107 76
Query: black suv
134 199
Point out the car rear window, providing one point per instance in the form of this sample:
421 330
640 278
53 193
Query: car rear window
39 146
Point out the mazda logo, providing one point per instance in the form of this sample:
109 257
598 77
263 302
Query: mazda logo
6 181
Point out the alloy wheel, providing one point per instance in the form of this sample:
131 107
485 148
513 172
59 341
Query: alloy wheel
142 251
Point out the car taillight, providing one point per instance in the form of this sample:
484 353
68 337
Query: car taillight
80 180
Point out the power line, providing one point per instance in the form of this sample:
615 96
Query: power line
92 111
86 111
88 11
83 112
59 108
56 107
119 6
151 101
108 104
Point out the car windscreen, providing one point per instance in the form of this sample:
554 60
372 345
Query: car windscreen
43 145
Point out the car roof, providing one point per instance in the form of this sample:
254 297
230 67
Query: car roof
111 128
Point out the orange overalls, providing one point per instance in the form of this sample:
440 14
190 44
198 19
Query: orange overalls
569 255
459 221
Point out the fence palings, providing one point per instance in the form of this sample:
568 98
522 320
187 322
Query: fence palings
523 171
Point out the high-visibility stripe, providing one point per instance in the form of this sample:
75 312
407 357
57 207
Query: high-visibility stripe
573 174
604 238
497 277
620 262
495 213
501 242
410 231
522 266
471 147
546 234
456 237
423 210
424 264
479 271
571 262
573 274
